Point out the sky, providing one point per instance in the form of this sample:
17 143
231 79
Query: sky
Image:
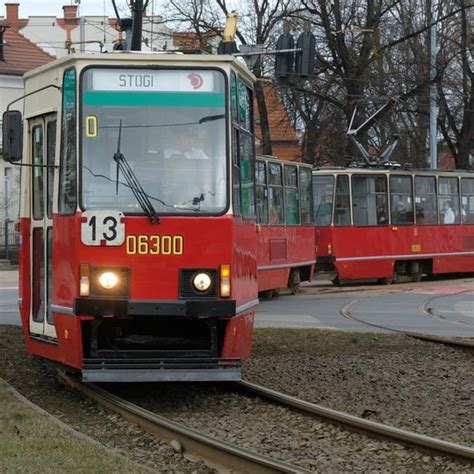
54 7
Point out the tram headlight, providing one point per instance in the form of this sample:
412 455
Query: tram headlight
202 282
108 280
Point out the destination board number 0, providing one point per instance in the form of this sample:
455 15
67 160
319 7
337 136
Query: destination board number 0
154 244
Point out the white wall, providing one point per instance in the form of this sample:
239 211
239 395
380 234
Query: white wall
11 87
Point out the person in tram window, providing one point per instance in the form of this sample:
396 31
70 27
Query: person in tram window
398 210
381 217
185 143
449 216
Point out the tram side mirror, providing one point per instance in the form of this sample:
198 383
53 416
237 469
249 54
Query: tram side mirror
12 136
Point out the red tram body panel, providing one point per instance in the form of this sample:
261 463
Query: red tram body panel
409 224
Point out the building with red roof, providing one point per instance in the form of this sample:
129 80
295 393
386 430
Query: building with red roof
284 137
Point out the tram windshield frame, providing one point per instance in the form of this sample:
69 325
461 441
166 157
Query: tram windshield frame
174 135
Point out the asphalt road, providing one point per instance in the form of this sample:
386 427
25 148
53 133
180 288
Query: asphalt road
9 298
443 307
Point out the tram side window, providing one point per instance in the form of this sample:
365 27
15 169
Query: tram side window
50 153
235 174
467 200
246 161
425 200
262 199
68 170
342 211
323 188
275 194
291 195
306 201
448 200
369 200
401 199
38 184
235 146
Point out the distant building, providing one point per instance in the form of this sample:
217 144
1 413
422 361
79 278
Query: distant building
286 143
62 36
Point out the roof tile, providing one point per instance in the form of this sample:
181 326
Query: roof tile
20 54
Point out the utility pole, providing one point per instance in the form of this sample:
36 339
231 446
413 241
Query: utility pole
433 91
137 14
82 34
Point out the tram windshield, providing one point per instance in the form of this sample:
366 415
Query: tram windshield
173 136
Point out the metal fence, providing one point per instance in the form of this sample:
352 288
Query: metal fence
9 241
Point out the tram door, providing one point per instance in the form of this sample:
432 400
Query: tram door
42 144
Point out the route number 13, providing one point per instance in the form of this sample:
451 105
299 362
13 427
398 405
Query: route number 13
100 228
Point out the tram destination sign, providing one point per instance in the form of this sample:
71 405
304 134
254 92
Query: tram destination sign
150 80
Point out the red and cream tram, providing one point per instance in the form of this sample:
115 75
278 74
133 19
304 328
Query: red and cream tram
139 243
393 225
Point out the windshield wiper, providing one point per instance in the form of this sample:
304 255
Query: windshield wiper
140 195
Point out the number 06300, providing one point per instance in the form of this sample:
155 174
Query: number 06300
154 244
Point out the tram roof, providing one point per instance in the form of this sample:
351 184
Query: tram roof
142 58
275 159
411 171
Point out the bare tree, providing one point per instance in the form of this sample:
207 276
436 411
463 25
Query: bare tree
456 84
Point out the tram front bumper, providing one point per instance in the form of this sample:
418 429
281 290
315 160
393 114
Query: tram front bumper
107 307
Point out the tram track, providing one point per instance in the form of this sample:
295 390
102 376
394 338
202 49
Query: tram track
462 343
215 452
229 456
367 427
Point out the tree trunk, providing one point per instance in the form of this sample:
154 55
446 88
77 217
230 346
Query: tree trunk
263 114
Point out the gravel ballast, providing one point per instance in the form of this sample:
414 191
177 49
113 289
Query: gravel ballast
409 384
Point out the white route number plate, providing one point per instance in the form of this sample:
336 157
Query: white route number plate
102 228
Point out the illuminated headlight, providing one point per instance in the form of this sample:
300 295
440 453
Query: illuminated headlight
108 280
202 282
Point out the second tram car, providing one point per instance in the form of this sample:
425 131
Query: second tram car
393 225
285 233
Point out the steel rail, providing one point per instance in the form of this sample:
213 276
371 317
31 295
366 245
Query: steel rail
410 438
448 341
213 451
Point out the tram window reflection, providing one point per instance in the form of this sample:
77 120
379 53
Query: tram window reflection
342 211
448 200
306 199
262 199
323 189
401 200
175 145
369 200
275 194
291 195
425 200
467 200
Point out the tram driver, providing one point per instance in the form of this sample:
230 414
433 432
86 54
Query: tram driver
185 144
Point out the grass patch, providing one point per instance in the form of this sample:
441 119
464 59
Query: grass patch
30 442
